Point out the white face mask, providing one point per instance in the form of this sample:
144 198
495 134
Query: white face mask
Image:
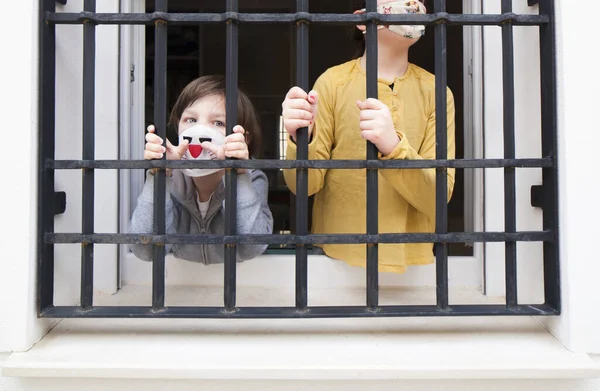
196 135
402 8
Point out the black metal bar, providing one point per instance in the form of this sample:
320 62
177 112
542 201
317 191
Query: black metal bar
302 154
451 237
550 147
160 123
231 98
87 191
279 164
510 199
46 136
441 152
329 19
292 312
372 250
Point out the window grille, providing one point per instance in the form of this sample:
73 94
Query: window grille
302 19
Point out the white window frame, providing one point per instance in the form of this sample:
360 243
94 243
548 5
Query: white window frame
132 87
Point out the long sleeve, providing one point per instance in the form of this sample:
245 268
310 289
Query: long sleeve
253 212
417 186
321 143
143 215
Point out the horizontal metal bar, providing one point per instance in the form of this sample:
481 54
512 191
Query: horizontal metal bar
340 19
266 164
292 312
451 237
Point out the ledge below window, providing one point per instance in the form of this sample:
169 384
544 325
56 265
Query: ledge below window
308 349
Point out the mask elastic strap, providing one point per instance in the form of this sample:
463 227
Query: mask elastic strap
379 27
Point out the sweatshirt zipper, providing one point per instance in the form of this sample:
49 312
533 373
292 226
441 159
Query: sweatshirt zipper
202 226
202 230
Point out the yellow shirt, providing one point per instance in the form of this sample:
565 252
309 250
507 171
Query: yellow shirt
406 196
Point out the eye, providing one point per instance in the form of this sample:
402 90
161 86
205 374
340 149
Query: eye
203 139
190 120
189 139
219 123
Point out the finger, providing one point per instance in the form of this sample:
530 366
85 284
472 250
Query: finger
313 99
371 103
153 138
172 151
243 155
295 114
297 104
150 128
149 155
368 114
235 137
368 134
235 146
211 147
182 147
295 124
368 125
296 92
239 129
155 148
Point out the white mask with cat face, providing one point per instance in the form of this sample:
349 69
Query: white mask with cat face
196 135
402 8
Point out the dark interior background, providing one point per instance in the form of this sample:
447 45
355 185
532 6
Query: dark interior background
266 72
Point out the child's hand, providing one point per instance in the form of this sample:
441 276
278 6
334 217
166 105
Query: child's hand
376 125
234 147
155 149
299 111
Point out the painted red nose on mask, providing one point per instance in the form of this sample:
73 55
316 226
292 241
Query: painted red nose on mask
195 150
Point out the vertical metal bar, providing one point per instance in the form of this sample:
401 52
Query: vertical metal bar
160 123
510 216
549 149
372 174
87 193
441 152
46 129
302 154
231 102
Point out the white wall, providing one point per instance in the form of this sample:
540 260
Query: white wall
18 72
579 139
19 326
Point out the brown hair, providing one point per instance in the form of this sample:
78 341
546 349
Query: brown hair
215 85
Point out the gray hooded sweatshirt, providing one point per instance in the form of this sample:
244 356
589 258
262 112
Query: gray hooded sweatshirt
184 217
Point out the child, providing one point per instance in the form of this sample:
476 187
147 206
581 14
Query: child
195 198
401 124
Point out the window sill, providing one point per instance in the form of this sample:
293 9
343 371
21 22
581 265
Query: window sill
309 349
